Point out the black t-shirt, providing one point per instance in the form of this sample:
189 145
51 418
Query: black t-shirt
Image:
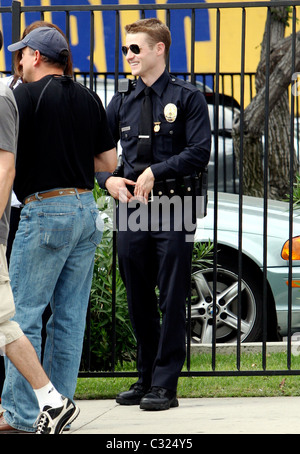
63 126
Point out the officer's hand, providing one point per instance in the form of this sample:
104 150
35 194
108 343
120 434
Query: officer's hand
116 186
144 185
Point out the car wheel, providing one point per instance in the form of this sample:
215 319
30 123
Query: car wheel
226 306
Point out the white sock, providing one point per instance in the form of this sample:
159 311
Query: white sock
48 395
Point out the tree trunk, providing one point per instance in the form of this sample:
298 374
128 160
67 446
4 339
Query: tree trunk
279 116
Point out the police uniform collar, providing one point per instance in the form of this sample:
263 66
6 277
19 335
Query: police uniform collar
158 86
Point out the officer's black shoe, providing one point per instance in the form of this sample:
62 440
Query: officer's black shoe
133 396
159 399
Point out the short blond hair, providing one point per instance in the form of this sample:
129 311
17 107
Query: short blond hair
156 30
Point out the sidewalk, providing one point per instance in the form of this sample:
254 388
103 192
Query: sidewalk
249 415
231 415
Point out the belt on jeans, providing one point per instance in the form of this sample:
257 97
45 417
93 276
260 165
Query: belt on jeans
54 193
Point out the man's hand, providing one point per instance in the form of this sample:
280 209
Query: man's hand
144 185
116 186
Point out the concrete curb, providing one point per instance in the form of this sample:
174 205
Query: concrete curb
246 347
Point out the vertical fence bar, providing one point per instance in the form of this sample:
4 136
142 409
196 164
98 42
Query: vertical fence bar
16 26
265 201
92 45
223 155
193 78
193 81
114 251
113 300
67 21
168 23
216 173
232 150
117 47
240 234
291 185
87 342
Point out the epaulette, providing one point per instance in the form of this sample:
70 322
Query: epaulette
182 83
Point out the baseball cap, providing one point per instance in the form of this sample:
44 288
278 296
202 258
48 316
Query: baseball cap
49 41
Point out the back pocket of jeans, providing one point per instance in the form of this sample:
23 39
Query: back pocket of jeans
98 226
56 230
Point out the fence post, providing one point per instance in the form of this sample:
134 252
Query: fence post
15 25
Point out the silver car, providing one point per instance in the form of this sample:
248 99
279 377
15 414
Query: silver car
222 141
251 281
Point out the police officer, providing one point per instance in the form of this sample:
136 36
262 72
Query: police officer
179 142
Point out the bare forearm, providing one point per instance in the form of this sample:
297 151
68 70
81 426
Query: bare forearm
106 162
6 182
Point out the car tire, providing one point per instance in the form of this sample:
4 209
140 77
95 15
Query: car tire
226 307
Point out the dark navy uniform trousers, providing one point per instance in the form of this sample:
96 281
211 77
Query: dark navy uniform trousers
151 258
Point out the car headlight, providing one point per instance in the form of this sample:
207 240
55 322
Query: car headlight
285 252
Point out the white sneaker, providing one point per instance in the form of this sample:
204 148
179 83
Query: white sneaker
53 420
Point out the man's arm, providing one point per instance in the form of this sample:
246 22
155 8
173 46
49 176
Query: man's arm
7 175
106 161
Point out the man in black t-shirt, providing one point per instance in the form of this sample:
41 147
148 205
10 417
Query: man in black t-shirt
63 140
69 127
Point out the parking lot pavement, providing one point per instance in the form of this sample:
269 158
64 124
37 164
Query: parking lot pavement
261 415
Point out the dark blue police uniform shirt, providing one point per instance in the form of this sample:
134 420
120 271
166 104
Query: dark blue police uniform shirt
181 146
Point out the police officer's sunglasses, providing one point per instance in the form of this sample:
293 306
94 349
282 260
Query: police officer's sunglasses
133 47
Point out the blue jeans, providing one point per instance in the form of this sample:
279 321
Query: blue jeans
52 261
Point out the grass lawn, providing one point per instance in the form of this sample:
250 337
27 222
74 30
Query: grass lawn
244 386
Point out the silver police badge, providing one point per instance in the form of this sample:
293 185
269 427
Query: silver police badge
170 112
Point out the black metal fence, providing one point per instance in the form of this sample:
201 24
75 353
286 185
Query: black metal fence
240 297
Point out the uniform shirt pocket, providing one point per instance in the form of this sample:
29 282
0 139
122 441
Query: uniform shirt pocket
129 132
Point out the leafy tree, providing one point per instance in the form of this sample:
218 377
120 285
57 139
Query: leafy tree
280 66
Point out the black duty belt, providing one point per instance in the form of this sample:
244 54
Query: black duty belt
184 186
189 186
